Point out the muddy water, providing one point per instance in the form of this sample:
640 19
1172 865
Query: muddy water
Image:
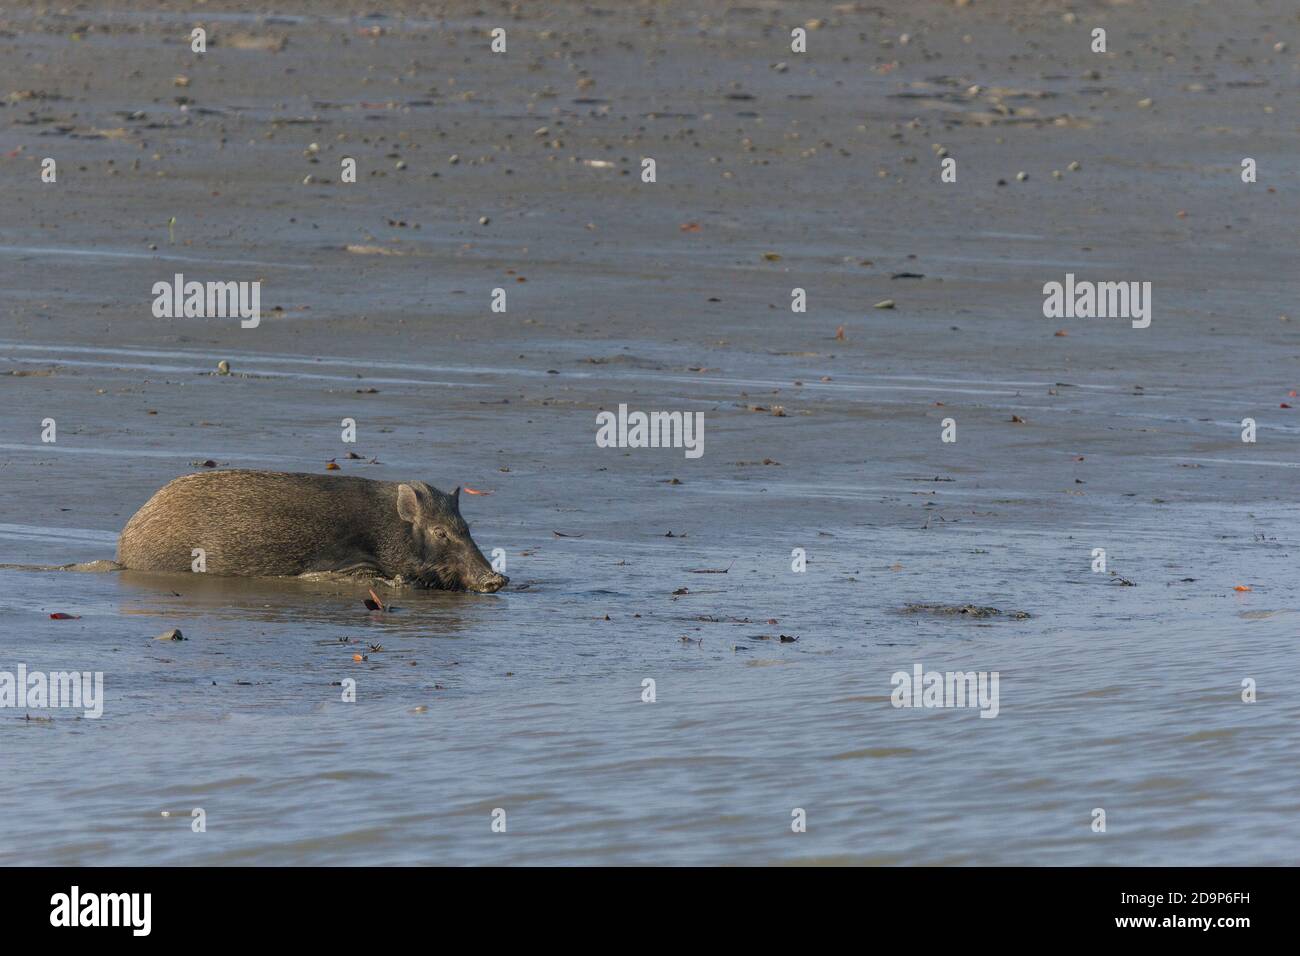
1114 695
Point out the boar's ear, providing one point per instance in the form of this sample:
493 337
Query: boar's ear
455 499
408 505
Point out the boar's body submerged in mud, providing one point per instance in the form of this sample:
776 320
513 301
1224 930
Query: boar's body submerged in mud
264 524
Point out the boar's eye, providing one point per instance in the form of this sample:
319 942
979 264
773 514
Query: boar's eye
439 531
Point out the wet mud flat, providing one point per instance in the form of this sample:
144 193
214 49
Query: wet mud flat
775 171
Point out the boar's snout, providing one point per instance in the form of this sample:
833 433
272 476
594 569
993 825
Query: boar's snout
439 542
490 583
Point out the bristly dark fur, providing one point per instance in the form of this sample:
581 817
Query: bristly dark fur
443 576
265 524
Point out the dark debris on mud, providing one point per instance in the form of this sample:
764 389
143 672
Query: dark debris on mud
964 610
